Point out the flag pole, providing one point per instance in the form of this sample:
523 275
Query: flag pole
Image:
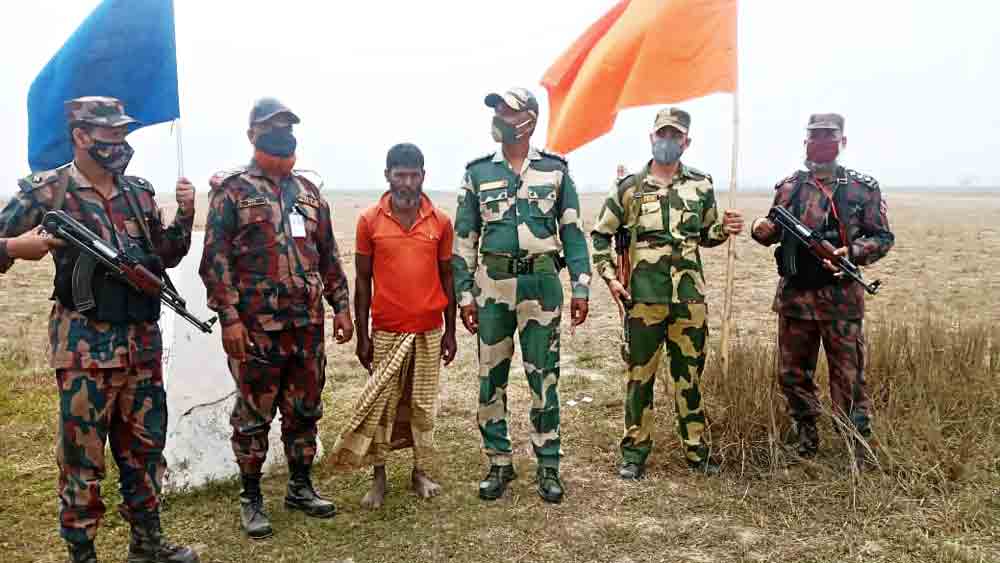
727 311
180 148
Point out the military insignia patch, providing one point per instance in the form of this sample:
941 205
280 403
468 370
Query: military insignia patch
308 200
650 198
494 185
252 202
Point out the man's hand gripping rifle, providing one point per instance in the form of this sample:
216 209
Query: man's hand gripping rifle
820 248
94 251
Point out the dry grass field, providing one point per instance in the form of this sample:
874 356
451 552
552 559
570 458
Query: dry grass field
934 373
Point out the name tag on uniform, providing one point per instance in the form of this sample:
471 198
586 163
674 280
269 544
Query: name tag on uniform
494 185
252 202
650 198
298 224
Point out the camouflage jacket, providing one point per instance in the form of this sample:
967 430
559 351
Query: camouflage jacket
667 224
253 267
75 341
518 215
863 213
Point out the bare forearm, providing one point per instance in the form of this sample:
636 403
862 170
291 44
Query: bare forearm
362 305
448 283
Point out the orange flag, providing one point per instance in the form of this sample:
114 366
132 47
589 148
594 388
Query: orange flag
641 52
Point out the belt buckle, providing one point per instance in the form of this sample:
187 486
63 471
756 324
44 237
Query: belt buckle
520 266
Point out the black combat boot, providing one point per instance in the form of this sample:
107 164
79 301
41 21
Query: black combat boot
550 487
302 496
149 546
808 438
82 552
631 471
495 483
254 520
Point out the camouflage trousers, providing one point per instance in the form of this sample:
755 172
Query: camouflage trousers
286 372
531 305
126 407
844 341
683 328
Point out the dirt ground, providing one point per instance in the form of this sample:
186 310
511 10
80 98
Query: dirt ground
943 266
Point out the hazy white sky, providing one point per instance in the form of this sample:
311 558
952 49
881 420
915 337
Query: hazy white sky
915 79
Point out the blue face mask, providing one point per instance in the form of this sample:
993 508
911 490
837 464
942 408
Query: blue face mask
667 150
279 142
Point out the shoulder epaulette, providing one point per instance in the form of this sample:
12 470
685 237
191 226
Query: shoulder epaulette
554 155
140 183
863 179
794 177
696 174
626 182
222 177
475 161
39 179
310 177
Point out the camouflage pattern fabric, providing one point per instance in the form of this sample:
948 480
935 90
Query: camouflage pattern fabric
252 266
683 328
531 305
831 315
844 342
533 212
102 111
864 215
286 370
668 222
127 407
4 256
75 341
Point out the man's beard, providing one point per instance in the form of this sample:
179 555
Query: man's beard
406 201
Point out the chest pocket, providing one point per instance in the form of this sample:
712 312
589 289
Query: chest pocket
689 218
493 204
542 200
256 238
650 213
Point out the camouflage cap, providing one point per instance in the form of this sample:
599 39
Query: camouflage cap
672 117
826 121
102 111
518 99
266 108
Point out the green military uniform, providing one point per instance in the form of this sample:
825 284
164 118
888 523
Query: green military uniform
667 221
511 229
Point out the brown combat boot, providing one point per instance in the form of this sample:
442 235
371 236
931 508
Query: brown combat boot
149 546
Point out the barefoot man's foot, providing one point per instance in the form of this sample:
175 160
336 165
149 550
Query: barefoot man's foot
423 485
376 496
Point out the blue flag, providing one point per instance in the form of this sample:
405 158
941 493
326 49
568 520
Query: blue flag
125 49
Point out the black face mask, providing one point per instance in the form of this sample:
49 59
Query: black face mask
277 142
113 157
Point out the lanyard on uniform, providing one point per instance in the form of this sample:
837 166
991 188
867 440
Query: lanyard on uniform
833 205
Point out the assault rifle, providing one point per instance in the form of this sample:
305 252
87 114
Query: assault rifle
819 247
94 250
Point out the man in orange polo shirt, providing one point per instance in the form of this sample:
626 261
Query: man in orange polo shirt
404 248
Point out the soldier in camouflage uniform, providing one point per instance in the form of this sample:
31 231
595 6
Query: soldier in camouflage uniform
814 305
107 360
270 259
668 210
518 211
